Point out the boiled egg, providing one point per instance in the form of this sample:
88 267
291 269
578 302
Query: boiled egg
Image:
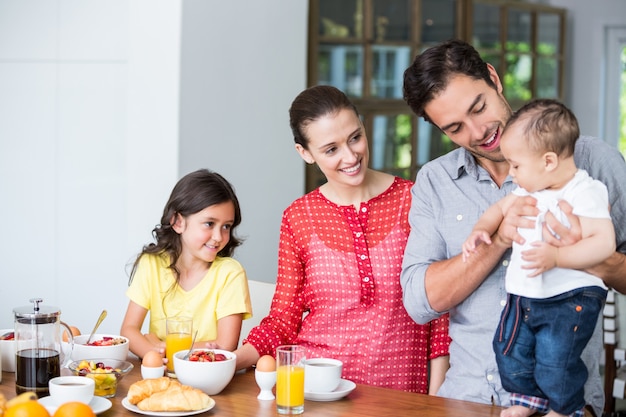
266 363
152 359
75 332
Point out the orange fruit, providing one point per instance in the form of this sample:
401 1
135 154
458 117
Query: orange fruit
74 409
30 408
75 332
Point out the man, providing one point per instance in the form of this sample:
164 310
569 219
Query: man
450 86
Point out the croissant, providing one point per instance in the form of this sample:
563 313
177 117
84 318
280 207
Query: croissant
146 387
183 398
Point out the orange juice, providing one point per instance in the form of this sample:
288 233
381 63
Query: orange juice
175 342
290 386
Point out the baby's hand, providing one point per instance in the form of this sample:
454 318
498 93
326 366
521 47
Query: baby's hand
539 259
472 242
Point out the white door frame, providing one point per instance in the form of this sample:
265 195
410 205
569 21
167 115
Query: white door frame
614 43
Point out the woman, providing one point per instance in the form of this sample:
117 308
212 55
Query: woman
338 292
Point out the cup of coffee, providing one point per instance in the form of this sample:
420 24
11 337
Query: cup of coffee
322 374
71 388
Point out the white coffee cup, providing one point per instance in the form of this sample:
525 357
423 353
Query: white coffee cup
7 352
64 389
322 374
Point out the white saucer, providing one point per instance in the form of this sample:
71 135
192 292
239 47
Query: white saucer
98 404
345 387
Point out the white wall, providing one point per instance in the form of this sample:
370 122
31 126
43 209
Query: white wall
239 74
93 136
75 156
587 21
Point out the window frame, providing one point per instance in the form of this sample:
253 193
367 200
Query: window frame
370 106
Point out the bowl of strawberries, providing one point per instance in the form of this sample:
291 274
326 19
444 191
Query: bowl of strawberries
100 346
209 370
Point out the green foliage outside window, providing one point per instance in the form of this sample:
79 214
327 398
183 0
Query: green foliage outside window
519 69
403 142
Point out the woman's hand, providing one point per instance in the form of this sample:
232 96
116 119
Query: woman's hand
247 356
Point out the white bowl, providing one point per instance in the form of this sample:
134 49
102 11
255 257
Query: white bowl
7 348
210 377
83 351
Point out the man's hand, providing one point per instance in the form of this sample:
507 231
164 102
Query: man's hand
516 216
611 271
566 236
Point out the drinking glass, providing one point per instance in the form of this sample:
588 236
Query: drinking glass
290 379
177 338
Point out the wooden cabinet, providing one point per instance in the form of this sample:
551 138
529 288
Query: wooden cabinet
364 46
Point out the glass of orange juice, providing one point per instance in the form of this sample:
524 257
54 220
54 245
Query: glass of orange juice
177 338
290 379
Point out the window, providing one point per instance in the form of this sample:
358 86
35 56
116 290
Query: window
363 47
525 43
613 104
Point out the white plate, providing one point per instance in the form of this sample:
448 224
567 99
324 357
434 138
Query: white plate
127 405
98 404
345 387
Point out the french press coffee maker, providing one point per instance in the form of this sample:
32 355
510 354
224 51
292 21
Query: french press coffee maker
39 353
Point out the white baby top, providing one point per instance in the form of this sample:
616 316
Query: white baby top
589 198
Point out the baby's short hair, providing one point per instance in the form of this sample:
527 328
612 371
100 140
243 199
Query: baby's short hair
548 126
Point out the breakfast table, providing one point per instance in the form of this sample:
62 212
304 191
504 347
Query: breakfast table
239 399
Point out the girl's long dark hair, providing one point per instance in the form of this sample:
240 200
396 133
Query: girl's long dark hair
193 193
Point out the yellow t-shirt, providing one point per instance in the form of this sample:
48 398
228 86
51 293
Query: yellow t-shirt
223 291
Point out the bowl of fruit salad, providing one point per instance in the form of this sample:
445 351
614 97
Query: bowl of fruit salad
106 373
101 346
209 370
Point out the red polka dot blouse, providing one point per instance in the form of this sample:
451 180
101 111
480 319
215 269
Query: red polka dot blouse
338 291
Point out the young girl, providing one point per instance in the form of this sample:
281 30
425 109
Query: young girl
189 271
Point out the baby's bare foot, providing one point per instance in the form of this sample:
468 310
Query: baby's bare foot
517 411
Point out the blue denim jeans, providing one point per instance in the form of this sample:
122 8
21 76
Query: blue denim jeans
539 342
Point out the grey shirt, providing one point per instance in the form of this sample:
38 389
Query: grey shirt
449 195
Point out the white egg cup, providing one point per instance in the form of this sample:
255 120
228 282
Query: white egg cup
265 381
152 372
